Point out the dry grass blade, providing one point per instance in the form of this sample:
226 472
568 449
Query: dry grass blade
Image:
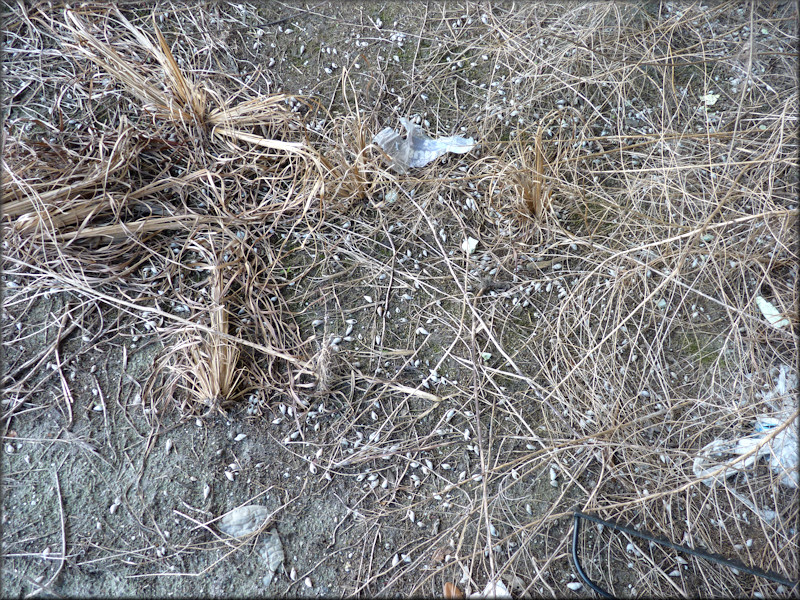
134 229
189 93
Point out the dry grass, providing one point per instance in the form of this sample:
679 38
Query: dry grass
605 330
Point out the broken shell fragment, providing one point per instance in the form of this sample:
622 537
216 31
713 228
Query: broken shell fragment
249 519
469 245
575 585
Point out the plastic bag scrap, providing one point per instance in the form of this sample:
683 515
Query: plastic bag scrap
781 451
494 589
418 149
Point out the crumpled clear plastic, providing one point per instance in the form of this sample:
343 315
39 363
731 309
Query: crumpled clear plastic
418 149
781 451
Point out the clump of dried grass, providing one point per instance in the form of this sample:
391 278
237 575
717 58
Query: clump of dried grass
180 158
205 364
198 110
323 364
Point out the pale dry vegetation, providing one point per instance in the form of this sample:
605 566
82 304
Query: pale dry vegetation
603 332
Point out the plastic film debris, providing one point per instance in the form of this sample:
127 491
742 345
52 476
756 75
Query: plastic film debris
418 149
781 451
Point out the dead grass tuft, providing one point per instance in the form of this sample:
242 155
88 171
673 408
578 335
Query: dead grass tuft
206 364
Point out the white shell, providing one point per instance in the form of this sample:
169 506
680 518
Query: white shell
493 589
243 520
575 586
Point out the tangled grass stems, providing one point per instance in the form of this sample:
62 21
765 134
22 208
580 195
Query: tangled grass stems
602 333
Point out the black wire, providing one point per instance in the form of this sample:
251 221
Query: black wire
575 532
716 558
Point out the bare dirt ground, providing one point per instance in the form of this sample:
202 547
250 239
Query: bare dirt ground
216 294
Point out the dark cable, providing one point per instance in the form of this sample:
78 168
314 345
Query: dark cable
716 558
575 532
